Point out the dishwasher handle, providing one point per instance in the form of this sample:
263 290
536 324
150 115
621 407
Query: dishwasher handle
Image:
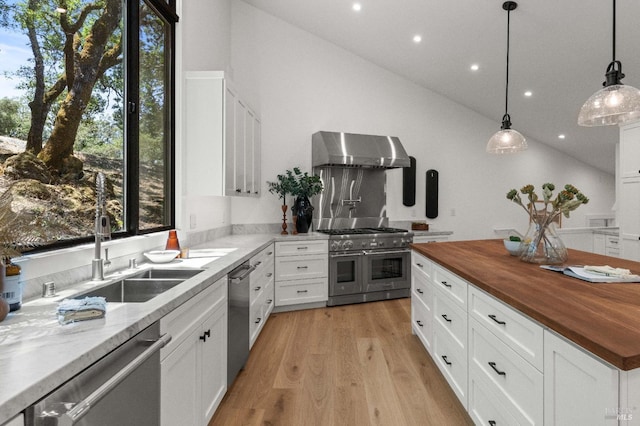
237 276
82 408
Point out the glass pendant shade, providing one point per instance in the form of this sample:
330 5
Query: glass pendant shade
611 105
506 141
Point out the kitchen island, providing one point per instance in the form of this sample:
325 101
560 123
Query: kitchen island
533 343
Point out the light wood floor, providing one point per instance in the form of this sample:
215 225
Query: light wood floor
349 365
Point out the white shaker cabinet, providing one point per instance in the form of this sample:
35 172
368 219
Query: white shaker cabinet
261 295
628 201
301 272
193 366
222 138
577 386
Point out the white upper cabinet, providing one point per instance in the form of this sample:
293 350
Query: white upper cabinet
630 150
222 138
628 200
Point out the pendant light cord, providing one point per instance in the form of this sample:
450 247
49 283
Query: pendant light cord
614 31
506 96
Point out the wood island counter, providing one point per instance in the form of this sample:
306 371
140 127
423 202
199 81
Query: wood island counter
523 345
603 318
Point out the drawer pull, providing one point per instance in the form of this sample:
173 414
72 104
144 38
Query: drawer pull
493 365
302 291
493 317
257 288
258 320
419 323
269 274
269 301
419 290
420 265
446 361
445 317
302 267
270 253
257 263
303 248
205 335
444 283
492 423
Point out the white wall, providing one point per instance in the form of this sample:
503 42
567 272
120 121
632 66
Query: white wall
301 84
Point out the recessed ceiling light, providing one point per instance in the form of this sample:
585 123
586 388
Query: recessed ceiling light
528 93
417 38
357 7
561 136
474 67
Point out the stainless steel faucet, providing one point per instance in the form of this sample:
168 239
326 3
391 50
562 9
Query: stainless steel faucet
102 230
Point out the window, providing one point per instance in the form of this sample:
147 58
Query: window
88 88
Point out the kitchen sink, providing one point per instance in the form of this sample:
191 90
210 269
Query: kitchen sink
141 287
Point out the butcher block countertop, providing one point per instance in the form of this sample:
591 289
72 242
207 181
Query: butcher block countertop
602 318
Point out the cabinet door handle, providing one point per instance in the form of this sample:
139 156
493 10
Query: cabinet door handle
492 423
302 267
445 318
500 373
270 253
419 290
205 335
444 283
269 301
269 274
258 320
493 317
302 291
446 361
238 190
303 248
420 265
257 288
258 263
419 323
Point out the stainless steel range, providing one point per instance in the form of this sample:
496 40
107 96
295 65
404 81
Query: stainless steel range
367 260
368 264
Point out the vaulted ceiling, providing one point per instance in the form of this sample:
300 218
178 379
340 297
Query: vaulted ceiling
559 52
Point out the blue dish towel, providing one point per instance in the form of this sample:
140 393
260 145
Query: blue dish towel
71 310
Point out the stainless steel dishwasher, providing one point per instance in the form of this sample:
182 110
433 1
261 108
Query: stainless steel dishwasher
238 332
122 388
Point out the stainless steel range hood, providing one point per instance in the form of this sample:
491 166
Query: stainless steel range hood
354 150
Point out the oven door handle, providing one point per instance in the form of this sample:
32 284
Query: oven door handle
380 252
83 407
354 253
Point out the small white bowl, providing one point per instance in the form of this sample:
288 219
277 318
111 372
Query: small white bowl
513 247
161 256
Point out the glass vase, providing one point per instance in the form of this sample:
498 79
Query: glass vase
543 245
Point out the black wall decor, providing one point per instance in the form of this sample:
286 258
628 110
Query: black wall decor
409 184
432 194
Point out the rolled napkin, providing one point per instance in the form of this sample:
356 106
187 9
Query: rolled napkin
71 310
608 271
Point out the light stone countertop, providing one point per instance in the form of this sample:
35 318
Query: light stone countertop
37 354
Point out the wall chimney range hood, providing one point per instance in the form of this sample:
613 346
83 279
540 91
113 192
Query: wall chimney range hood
353 150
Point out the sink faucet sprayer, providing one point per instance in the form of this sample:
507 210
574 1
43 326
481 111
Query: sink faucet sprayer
102 230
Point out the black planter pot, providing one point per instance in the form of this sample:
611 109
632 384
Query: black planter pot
304 211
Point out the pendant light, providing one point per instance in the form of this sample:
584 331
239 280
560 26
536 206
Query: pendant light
615 103
507 140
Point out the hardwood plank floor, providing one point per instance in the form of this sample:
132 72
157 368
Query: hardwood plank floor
347 365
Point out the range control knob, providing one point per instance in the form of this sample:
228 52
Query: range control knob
395 243
335 245
347 245
381 243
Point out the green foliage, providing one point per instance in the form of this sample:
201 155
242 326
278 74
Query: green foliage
283 186
9 117
305 185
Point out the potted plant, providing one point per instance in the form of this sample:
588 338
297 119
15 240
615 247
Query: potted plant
283 186
305 186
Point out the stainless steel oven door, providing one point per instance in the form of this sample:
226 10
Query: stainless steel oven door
386 269
344 273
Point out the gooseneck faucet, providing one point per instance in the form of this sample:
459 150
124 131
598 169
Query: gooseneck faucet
102 229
